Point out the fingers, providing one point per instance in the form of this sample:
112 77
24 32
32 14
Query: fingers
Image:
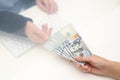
41 4
46 30
53 7
35 34
44 33
34 38
48 6
70 60
87 67
84 68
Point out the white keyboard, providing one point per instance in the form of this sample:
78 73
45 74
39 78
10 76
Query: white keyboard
16 45
19 45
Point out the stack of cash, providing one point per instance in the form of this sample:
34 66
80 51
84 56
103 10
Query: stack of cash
68 43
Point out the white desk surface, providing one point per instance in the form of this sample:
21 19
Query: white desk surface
97 21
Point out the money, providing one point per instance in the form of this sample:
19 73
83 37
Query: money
68 43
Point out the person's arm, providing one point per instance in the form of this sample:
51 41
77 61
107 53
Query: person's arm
20 25
13 23
99 66
114 69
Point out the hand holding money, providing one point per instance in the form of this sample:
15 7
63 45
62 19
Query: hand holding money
100 66
67 43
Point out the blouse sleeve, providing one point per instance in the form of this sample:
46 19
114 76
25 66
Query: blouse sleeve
13 23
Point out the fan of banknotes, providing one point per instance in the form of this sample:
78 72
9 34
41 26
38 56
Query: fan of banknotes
68 43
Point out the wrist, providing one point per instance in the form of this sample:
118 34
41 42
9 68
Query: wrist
113 69
28 24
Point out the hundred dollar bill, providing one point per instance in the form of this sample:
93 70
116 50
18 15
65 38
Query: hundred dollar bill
56 44
68 43
75 44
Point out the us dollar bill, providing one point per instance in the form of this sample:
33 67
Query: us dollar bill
68 43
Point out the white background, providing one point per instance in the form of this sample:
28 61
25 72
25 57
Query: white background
97 21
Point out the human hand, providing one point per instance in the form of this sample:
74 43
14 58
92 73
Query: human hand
99 66
94 64
35 34
48 6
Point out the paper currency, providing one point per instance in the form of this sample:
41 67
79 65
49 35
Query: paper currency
68 43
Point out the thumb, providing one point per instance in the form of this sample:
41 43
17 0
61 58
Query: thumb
83 59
